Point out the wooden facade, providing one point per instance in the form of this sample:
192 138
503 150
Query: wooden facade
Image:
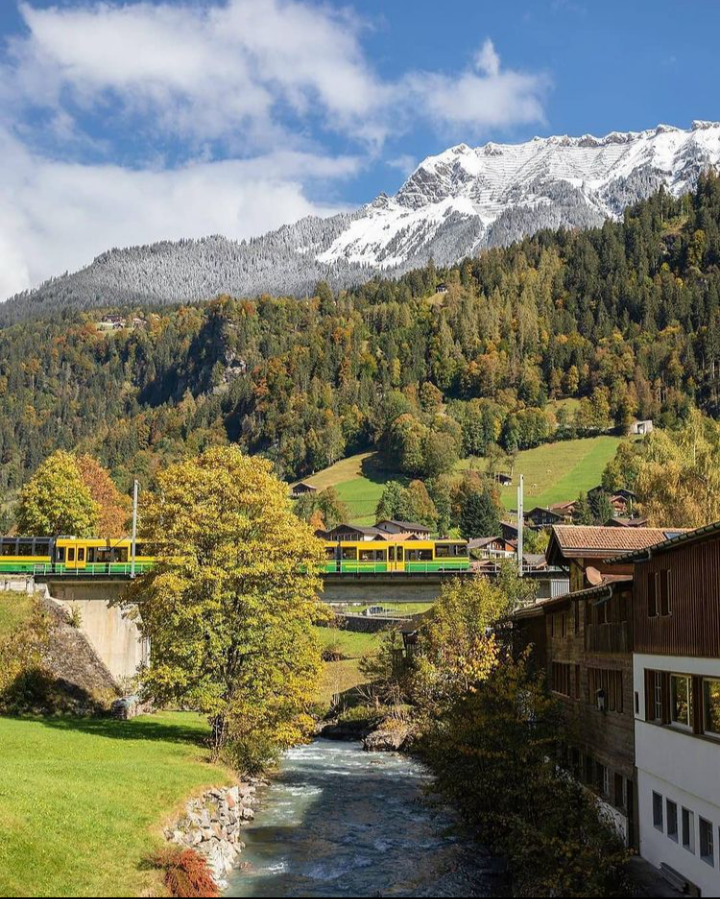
681 586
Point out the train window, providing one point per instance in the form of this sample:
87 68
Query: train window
42 548
9 547
349 553
139 549
330 553
419 555
25 548
442 551
60 554
71 554
373 555
81 555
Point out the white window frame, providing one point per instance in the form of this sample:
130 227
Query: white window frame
688 833
705 718
708 858
658 812
672 816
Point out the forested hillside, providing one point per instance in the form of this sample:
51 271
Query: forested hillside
624 319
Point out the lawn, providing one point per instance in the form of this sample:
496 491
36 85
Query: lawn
339 677
557 471
14 609
82 802
359 482
553 473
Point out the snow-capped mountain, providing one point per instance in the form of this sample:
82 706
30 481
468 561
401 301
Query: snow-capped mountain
451 206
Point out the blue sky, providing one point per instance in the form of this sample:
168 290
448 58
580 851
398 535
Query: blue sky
128 122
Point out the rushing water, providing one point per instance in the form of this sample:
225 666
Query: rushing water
338 821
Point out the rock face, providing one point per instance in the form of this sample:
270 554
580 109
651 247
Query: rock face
212 826
451 206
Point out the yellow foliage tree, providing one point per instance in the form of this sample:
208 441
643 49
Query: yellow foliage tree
228 608
56 501
113 508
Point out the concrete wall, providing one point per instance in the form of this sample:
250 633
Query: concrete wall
380 590
682 768
113 635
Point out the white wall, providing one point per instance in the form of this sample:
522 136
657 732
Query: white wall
682 768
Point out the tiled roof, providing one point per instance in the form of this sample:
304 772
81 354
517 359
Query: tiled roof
673 540
577 541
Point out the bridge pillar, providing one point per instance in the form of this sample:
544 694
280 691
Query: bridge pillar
114 636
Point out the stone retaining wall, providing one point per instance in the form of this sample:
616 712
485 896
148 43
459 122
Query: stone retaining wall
212 826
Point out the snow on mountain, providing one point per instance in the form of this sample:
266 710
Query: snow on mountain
451 206
498 184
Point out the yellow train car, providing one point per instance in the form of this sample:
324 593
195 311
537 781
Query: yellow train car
389 557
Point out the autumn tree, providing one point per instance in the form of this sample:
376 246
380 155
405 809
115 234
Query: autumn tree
114 509
457 648
56 501
229 606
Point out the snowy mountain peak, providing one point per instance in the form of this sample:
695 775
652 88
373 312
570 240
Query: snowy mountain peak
451 206
466 198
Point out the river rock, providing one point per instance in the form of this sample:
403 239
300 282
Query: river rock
394 737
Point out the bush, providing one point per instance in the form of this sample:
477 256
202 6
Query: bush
492 749
333 652
186 873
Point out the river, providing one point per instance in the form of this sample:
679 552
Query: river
337 821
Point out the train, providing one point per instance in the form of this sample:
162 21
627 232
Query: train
72 555
102 556
411 556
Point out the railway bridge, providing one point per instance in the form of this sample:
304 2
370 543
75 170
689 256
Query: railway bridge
115 636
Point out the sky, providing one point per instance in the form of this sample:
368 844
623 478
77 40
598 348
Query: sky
124 123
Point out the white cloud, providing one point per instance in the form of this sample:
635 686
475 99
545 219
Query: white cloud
57 216
224 83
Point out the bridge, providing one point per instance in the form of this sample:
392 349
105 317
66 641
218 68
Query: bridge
115 636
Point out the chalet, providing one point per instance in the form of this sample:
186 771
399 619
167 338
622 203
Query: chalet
504 480
509 530
626 523
351 533
676 667
400 528
541 517
492 548
301 488
584 639
589 552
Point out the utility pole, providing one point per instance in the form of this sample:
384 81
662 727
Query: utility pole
136 489
521 523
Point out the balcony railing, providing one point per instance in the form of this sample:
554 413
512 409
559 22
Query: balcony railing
610 638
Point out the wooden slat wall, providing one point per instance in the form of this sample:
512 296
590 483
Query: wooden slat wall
693 629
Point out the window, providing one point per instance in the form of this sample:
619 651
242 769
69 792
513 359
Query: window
657 811
652 595
657 697
665 593
707 842
688 830
606 685
711 707
681 700
672 820
576 613
602 779
589 770
561 681
71 554
620 800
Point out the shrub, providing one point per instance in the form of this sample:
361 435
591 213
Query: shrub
186 873
333 652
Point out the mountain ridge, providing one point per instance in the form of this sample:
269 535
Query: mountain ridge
452 205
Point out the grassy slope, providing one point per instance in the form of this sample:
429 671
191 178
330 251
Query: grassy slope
83 802
553 473
557 471
14 608
359 482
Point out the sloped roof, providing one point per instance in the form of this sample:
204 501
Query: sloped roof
406 525
673 540
585 541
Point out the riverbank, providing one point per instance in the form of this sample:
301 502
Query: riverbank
83 802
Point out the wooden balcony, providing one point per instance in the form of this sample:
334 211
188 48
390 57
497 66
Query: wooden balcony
608 638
